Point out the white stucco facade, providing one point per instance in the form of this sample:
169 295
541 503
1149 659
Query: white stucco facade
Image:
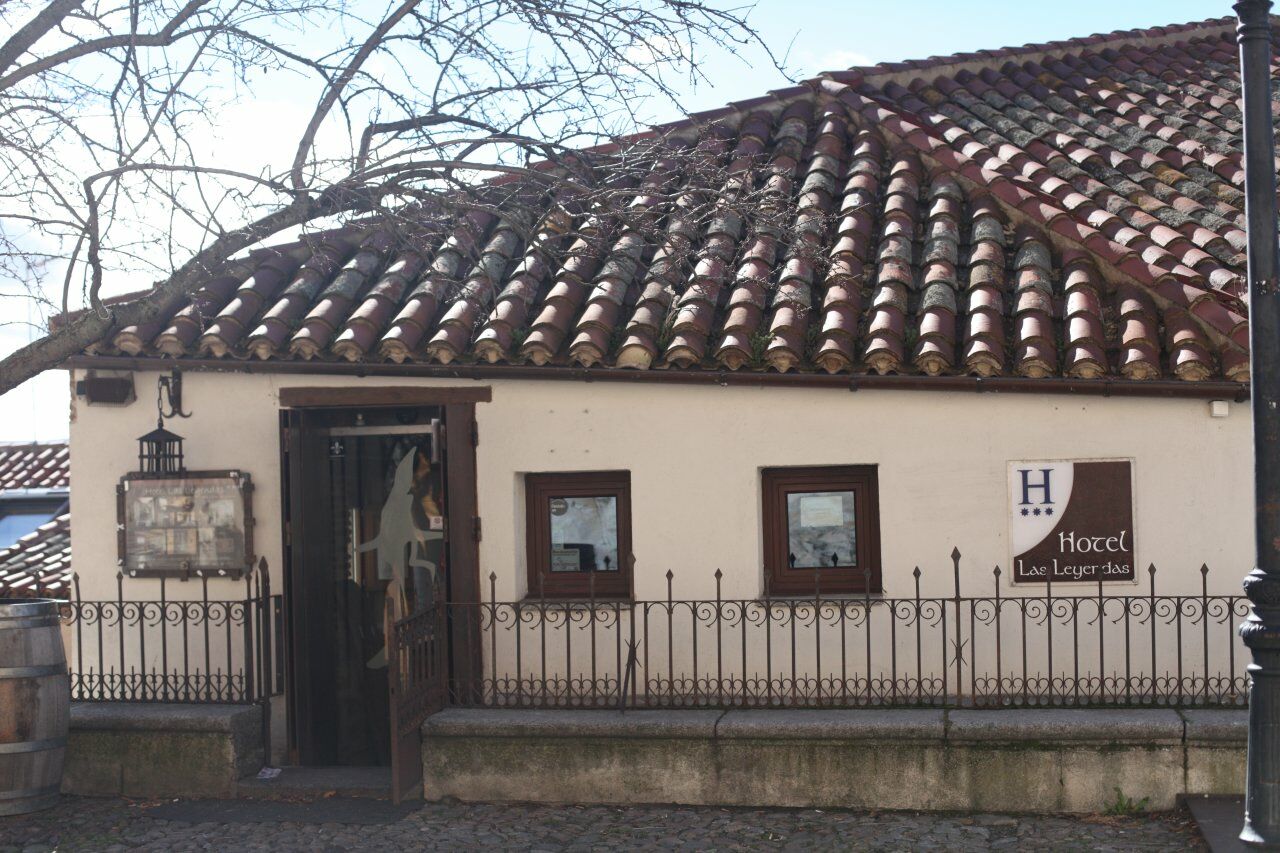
695 455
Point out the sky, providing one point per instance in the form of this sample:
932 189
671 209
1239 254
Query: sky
812 35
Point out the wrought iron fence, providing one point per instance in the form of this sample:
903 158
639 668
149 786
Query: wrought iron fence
202 650
1009 647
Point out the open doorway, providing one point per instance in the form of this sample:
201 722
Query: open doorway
367 519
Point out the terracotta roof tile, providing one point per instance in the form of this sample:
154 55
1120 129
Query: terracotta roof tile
333 307
876 237
35 465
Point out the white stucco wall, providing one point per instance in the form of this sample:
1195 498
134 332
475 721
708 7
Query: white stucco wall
695 453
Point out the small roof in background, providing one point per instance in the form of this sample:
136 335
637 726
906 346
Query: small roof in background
39 564
35 465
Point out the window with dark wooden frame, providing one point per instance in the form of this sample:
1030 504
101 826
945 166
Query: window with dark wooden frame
821 530
579 534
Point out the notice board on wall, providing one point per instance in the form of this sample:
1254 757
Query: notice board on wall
192 525
1071 521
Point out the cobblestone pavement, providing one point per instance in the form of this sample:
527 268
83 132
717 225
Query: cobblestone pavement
111 825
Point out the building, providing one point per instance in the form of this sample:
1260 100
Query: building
35 527
1006 317
39 563
34 486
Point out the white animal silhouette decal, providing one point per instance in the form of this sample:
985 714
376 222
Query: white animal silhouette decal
400 544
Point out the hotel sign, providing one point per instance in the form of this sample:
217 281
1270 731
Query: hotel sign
1071 521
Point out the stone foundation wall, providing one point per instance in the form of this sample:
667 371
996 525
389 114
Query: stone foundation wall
1015 761
152 750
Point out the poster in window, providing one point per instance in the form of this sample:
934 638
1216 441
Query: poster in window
566 560
821 530
196 524
821 510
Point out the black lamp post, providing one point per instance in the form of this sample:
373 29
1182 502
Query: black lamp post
1261 632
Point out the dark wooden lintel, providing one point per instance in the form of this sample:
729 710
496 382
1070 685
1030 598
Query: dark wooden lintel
1113 386
391 395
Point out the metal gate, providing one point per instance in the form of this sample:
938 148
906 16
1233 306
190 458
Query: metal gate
418 673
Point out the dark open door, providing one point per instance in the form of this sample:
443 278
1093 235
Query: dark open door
354 477
336 584
367 496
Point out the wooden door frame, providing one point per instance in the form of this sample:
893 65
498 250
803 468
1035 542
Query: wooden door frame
458 405
465 660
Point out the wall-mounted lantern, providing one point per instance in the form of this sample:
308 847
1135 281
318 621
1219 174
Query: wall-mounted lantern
160 451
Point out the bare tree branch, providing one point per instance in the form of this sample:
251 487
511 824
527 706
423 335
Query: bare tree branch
335 89
22 40
115 167
165 37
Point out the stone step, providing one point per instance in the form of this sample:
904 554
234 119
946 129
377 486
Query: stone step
1219 819
314 783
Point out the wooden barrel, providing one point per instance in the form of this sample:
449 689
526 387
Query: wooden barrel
35 699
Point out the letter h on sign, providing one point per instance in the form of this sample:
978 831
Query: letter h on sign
1043 485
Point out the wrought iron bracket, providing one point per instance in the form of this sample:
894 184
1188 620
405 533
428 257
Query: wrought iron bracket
169 387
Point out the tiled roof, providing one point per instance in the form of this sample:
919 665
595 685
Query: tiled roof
39 564
35 465
1064 210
